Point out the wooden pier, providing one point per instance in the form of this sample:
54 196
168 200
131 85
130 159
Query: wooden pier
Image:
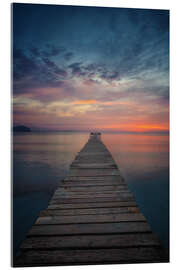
92 218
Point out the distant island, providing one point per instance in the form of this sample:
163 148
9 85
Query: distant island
21 129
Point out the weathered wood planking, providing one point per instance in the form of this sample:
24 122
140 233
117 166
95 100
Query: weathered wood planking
93 172
91 181
89 189
91 205
108 178
93 228
90 241
92 218
91 256
47 220
91 211
74 195
89 200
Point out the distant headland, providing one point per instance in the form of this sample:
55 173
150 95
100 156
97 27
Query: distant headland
21 129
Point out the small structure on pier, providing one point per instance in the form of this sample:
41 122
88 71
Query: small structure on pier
95 135
92 218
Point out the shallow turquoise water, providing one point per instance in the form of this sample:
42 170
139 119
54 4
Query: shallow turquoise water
42 159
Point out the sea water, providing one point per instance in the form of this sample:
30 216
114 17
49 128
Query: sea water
42 159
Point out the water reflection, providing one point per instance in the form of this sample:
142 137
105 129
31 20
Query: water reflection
139 154
144 162
41 160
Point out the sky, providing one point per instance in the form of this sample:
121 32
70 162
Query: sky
90 68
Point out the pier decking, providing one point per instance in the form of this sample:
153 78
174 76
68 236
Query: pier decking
92 218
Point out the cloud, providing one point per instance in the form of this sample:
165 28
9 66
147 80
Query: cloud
110 75
35 52
54 67
24 64
52 50
88 101
100 68
30 72
76 68
68 56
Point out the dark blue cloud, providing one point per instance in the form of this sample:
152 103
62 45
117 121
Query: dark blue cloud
76 68
110 75
35 52
52 50
68 56
32 72
54 67
55 42
24 65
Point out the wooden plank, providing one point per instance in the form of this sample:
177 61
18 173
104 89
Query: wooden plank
90 241
82 195
91 211
92 159
83 256
89 200
109 178
95 154
93 163
105 178
122 217
93 228
72 191
94 188
79 195
87 184
93 166
93 172
90 183
92 205
112 194
94 149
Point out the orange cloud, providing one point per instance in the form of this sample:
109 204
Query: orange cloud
84 102
138 128
111 103
152 127
106 103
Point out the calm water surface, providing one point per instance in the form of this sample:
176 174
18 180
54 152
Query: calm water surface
41 160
